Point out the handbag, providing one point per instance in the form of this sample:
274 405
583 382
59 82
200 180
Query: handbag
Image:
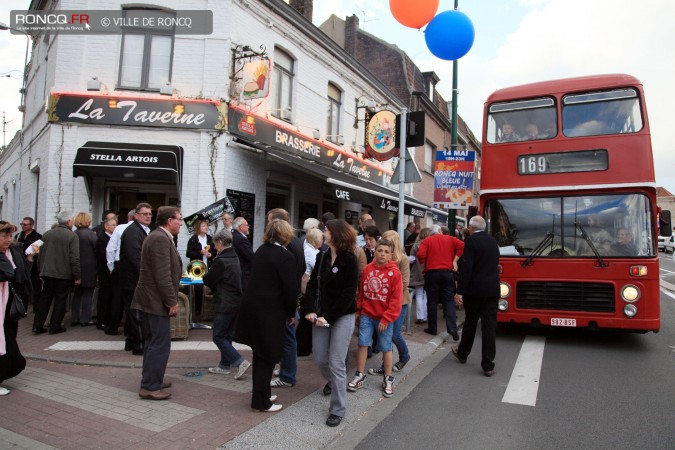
18 309
317 299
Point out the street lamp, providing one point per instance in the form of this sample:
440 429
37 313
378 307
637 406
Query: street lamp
4 27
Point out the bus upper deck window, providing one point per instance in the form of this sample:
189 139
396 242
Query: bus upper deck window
601 113
522 120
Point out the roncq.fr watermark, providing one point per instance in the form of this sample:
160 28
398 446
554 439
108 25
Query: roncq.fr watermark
111 21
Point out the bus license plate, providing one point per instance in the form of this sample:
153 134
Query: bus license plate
563 322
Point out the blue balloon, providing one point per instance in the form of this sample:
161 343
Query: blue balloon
449 35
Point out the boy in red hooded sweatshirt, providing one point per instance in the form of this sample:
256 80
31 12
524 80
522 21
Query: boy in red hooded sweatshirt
378 306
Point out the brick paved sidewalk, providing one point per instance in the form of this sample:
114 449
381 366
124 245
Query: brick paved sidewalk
89 398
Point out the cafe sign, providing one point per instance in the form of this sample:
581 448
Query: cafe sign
142 112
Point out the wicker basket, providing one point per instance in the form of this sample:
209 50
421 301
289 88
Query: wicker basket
180 323
207 305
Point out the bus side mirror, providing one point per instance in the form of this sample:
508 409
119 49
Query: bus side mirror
665 224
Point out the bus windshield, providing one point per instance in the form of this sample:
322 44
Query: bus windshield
591 226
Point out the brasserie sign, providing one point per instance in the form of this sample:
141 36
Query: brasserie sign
107 110
261 131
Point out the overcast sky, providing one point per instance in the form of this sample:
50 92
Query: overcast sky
517 42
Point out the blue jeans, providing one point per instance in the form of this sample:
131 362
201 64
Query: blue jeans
224 326
288 366
366 328
440 287
397 338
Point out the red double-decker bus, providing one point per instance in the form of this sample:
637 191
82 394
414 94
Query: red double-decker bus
568 191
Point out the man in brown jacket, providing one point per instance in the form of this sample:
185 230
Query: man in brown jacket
156 298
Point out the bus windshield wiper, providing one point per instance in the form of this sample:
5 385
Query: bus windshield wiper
590 243
539 248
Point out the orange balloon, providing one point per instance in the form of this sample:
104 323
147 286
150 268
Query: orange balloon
413 13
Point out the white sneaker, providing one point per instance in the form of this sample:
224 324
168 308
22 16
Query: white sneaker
276 372
219 370
357 382
4 391
273 398
273 408
243 367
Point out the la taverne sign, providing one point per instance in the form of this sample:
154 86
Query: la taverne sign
109 110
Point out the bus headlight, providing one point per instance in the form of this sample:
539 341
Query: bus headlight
630 310
503 305
630 293
504 289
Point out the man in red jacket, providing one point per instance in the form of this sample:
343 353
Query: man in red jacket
439 254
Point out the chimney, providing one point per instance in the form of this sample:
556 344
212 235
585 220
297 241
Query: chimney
351 32
304 7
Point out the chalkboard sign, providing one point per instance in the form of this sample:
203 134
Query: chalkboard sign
244 206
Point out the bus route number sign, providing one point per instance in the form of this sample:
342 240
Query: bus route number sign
563 162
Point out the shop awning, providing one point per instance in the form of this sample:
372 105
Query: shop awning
350 188
132 162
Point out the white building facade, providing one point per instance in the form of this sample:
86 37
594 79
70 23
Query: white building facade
115 119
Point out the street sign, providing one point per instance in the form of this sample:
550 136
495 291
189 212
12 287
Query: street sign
412 173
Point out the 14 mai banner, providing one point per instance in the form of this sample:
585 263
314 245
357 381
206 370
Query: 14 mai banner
454 178
211 213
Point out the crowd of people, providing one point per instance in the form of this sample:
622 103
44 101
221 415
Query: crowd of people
294 295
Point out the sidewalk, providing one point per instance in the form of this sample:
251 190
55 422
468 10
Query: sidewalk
80 390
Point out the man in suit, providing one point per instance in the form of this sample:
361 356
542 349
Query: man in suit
105 284
130 268
156 298
243 248
59 270
288 366
478 291
228 220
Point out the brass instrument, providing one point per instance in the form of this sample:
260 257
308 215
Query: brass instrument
196 270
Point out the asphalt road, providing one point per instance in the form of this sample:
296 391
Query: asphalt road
594 390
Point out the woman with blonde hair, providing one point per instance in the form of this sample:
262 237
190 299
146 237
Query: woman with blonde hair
401 260
80 311
269 304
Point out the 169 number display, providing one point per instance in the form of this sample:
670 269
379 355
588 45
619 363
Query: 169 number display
563 162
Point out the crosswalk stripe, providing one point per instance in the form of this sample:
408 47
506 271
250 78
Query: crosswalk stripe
524 383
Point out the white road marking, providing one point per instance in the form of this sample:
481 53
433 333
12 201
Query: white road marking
664 270
524 383
668 293
119 345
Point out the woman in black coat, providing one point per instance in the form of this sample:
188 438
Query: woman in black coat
269 304
14 269
200 245
334 280
200 248
83 294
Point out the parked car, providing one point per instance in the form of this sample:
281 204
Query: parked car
669 245
662 243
